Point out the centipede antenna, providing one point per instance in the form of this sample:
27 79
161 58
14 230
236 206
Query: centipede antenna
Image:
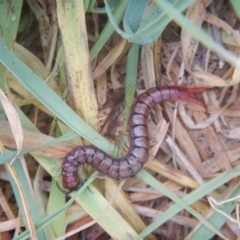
69 191
76 189
64 191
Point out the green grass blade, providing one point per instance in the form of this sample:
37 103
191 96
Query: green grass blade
27 193
10 12
133 15
236 6
108 29
131 76
189 199
53 215
198 33
217 219
53 102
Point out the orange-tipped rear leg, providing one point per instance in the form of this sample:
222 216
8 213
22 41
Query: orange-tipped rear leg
185 94
198 89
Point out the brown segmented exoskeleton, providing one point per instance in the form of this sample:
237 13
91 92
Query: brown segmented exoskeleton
137 155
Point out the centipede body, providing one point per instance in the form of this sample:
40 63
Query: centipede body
138 153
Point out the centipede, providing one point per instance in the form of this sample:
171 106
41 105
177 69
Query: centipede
138 153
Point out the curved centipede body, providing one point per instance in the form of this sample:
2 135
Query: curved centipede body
137 156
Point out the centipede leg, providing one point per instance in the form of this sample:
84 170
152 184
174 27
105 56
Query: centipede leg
197 101
186 94
198 89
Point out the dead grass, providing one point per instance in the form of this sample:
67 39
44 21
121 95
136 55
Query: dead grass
190 145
